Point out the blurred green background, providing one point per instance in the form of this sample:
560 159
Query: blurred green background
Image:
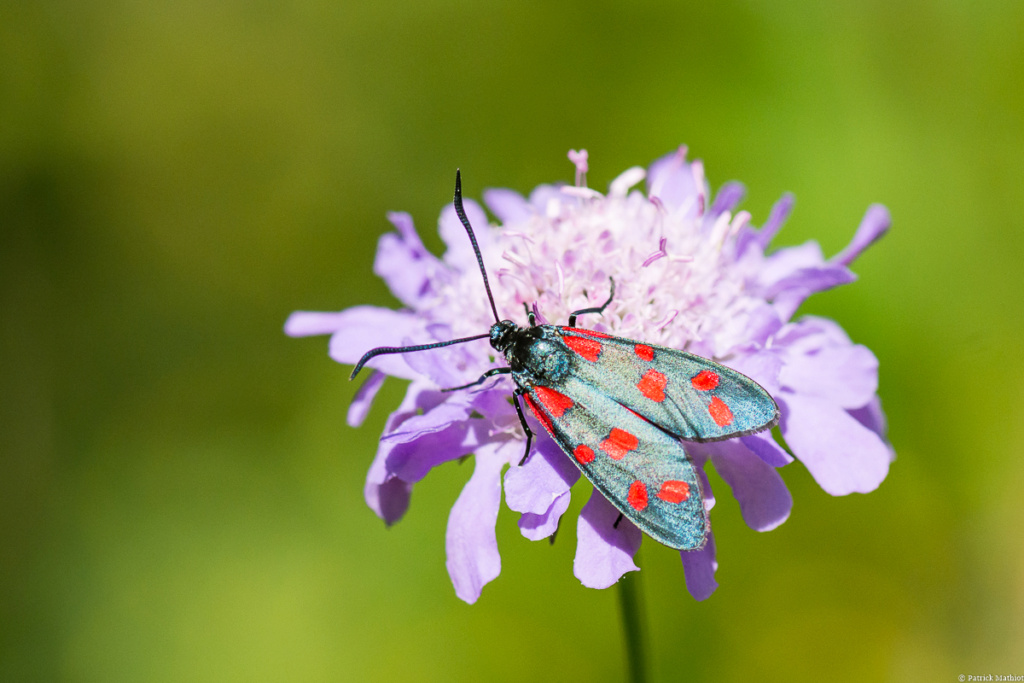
180 498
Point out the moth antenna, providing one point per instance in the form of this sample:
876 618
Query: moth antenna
384 350
472 238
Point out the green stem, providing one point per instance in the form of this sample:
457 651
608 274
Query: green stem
631 602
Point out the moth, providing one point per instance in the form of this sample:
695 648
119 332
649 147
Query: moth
620 409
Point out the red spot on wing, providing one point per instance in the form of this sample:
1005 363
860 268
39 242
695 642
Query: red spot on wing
720 412
555 402
652 385
539 414
637 496
674 491
618 443
705 380
644 351
585 333
584 454
588 348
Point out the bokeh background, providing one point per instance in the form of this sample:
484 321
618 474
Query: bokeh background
180 498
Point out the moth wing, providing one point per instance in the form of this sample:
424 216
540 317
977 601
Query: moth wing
693 397
641 469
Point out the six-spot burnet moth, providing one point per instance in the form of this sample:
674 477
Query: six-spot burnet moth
620 409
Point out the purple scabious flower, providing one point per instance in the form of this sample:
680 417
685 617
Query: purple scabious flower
691 274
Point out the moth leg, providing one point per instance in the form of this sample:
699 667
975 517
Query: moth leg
483 377
617 520
529 315
526 428
597 309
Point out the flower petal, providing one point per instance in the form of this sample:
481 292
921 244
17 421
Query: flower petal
872 227
776 219
536 527
493 401
810 334
728 198
412 461
447 366
791 275
364 327
385 494
361 402
841 454
452 408
311 323
699 567
785 262
547 475
871 416
672 180
460 250
470 541
603 552
762 323
709 494
761 366
846 376
764 447
404 263
445 433
807 281
764 500
508 205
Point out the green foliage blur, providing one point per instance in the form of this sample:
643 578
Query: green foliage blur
180 498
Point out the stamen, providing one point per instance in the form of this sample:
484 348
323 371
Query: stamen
627 179
668 319
739 222
719 230
512 258
581 192
506 273
553 208
561 279
697 167
661 253
522 235
580 159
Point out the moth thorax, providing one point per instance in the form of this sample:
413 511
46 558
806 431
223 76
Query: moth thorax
547 360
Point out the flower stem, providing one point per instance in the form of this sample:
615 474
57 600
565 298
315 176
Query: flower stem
631 602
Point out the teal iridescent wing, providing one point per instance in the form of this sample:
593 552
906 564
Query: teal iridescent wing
641 469
692 397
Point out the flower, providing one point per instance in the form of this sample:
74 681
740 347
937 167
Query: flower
691 274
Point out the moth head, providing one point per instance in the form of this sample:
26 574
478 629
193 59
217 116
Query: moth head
502 334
